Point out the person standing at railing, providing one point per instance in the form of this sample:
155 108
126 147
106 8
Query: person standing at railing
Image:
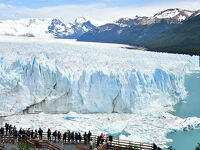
102 138
49 134
59 136
64 137
14 129
28 132
35 141
69 136
76 137
40 131
79 137
7 127
55 134
36 132
2 131
85 136
98 140
32 134
89 136
72 137
16 134
10 129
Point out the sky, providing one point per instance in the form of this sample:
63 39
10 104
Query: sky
101 10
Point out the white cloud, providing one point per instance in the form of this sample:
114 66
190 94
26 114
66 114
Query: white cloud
4 6
96 11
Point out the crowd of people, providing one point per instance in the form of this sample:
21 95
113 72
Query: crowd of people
69 137
56 136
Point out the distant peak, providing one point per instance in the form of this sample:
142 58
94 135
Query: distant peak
170 13
81 20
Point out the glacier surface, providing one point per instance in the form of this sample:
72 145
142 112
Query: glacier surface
59 76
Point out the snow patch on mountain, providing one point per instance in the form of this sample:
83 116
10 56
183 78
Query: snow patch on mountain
175 15
169 13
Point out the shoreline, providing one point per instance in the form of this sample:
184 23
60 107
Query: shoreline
130 47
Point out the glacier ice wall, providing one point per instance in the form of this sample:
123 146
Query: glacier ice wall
55 82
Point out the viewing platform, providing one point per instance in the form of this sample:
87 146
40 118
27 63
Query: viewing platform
9 141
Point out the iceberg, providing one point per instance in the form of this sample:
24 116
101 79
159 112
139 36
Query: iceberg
59 76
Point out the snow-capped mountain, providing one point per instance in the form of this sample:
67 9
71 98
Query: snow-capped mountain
175 15
196 13
79 27
26 27
123 22
58 29
45 28
55 28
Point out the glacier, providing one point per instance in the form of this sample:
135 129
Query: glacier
59 76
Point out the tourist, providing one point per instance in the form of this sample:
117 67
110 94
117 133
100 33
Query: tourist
154 146
91 144
55 134
32 134
89 135
69 136
72 137
98 140
36 141
65 137
7 127
79 137
40 131
85 138
36 132
2 131
10 129
14 129
49 134
102 138
76 137
28 133
15 134
59 136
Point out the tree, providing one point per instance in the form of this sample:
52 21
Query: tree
198 146
170 148
23 146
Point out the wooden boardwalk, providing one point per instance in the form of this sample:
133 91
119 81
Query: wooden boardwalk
115 144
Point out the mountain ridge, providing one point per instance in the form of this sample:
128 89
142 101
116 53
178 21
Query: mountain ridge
163 34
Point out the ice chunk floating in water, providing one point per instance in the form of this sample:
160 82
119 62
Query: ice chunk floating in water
58 76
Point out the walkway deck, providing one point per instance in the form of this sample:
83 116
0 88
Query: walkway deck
8 140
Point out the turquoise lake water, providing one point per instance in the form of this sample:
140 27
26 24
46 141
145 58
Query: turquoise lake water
187 140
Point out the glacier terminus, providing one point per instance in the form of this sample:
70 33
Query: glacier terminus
60 76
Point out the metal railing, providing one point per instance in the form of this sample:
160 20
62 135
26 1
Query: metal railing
125 144
1 146
33 143
44 143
